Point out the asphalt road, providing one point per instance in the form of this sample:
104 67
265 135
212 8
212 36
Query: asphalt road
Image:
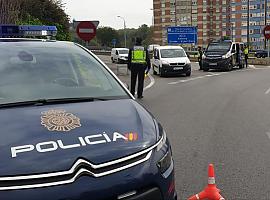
220 118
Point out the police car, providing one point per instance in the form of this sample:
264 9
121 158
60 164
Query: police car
70 129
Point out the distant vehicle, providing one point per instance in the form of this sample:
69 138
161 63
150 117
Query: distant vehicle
224 55
151 47
171 60
261 54
119 55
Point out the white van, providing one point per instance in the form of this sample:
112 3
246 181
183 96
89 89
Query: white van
170 60
119 55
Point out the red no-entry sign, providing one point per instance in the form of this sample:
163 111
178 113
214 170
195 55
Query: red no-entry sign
86 30
266 32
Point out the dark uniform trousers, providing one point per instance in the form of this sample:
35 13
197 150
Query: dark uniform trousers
137 70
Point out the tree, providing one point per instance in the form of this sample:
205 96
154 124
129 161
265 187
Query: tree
9 11
47 12
105 35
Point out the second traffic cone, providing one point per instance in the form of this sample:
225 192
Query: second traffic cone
210 192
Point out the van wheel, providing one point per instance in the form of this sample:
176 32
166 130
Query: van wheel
230 67
205 69
154 72
188 73
161 74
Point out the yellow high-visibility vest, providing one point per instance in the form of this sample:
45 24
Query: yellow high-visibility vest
138 56
246 51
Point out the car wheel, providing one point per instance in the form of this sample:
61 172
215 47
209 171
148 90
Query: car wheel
188 73
205 69
161 73
154 72
263 56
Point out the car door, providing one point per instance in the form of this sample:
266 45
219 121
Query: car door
234 55
156 59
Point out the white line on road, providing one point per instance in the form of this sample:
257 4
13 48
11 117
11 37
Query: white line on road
267 91
151 83
268 134
252 66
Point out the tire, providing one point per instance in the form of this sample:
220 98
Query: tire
161 74
188 73
263 56
205 69
154 72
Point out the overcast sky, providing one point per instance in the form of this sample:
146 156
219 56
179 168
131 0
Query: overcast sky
135 12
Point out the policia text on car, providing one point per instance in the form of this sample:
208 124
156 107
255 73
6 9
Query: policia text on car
138 63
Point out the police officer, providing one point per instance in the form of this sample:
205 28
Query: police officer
138 64
246 55
200 57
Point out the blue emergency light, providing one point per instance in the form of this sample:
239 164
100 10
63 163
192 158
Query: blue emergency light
27 31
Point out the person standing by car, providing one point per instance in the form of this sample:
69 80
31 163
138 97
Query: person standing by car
138 64
246 55
200 57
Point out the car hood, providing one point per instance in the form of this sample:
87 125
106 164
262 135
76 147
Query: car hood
104 124
176 60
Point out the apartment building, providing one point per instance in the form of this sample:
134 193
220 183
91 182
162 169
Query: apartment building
214 19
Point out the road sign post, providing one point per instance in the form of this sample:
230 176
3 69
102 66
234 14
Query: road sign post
266 32
182 35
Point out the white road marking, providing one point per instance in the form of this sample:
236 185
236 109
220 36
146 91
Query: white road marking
252 66
151 83
268 134
267 91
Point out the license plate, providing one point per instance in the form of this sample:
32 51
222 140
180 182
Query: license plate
215 64
177 68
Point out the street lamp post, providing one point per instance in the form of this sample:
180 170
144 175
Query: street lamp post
125 33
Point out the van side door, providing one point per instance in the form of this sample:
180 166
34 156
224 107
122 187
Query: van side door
234 55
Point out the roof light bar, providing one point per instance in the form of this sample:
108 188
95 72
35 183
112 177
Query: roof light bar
27 30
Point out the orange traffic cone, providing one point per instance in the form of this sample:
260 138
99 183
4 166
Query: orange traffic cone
210 192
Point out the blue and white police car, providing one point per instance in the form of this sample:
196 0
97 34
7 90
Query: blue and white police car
70 130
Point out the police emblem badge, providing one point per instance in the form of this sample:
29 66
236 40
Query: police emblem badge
59 120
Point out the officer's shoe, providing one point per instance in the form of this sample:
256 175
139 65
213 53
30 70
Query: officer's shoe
140 97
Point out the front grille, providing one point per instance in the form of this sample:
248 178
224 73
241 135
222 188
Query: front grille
177 64
79 168
213 59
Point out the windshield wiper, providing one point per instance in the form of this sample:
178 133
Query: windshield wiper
41 102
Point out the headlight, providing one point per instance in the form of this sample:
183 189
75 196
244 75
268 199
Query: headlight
203 56
165 163
163 141
165 62
227 55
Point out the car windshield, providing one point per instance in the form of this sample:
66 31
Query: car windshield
219 47
52 70
172 53
123 51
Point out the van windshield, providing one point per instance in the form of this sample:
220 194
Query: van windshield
172 53
123 51
225 46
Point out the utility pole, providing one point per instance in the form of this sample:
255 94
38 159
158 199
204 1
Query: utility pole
265 19
248 22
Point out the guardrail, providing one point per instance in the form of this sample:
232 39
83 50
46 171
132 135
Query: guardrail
193 56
